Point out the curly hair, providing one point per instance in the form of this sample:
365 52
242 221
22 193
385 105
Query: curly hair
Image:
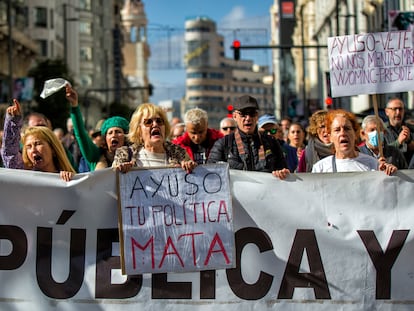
315 120
60 158
143 111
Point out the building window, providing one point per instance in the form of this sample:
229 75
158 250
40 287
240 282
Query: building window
85 28
52 22
86 53
85 4
86 80
42 47
41 17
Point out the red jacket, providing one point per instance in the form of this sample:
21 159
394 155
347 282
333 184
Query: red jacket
185 141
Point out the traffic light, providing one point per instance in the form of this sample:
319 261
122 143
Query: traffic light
230 111
236 49
328 102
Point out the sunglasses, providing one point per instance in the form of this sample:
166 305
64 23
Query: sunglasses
270 132
226 128
149 122
245 113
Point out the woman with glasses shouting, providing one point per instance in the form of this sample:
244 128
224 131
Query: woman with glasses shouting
149 130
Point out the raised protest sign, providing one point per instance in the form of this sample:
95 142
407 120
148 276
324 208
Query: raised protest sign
371 63
333 241
172 221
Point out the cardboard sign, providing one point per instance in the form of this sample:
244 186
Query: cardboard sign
372 63
171 221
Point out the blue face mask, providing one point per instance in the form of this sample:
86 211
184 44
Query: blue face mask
373 138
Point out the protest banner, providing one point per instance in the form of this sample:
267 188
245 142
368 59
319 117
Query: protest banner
172 221
371 63
311 242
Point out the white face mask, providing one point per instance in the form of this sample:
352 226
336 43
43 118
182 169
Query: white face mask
373 138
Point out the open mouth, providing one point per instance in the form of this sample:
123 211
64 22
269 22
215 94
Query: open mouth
155 132
36 159
114 143
343 141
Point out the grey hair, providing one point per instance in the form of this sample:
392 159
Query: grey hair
370 119
394 99
227 119
195 116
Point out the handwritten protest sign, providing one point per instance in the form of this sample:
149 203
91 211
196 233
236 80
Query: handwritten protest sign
371 63
171 221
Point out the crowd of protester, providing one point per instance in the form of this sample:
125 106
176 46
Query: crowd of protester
333 141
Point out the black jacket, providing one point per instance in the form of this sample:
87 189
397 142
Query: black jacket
392 155
225 150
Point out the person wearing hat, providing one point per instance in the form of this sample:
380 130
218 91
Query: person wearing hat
268 125
247 148
113 130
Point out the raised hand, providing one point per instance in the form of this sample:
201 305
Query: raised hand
71 95
14 110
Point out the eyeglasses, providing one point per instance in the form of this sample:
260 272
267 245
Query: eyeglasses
396 108
251 113
270 132
149 122
226 128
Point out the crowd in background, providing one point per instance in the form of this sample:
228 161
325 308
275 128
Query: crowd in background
331 141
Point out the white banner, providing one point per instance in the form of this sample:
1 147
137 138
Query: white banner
371 63
176 222
312 242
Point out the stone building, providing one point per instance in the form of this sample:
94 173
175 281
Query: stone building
213 81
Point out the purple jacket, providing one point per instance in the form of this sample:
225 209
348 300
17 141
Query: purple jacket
10 149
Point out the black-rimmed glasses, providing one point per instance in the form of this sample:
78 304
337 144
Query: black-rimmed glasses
149 122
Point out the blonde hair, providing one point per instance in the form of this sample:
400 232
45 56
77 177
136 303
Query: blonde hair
143 110
60 159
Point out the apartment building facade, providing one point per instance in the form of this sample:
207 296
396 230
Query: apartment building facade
213 81
89 36
315 22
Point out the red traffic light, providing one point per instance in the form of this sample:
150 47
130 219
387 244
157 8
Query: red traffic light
236 49
230 111
328 101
